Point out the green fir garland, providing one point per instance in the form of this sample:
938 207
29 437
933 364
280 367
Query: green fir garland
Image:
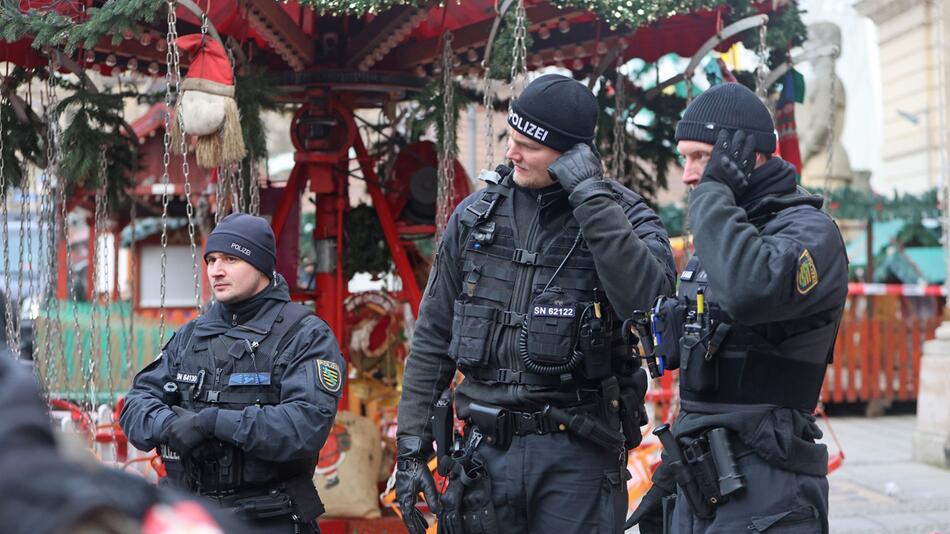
430 110
365 248
502 51
630 13
254 94
356 7
95 124
21 142
48 28
847 203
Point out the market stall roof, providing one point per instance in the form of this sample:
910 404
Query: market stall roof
393 50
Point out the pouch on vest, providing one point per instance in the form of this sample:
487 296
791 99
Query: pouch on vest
698 372
550 330
471 329
668 317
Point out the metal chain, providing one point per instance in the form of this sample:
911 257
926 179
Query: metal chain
519 66
21 253
240 189
255 184
54 326
79 348
170 38
103 223
104 226
234 188
762 69
620 122
221 192
4 221
95 342
487 102
131 350
446 184
27 214
173 68
46 244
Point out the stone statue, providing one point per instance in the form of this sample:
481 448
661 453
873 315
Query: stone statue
820 106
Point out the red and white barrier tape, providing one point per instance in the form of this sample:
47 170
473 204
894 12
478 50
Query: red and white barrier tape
903 290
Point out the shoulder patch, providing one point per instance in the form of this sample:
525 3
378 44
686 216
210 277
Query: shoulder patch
330 376
807 277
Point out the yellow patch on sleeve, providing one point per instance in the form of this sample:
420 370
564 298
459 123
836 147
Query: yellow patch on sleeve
331 378
807 277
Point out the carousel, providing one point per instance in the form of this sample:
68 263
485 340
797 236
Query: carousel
130 127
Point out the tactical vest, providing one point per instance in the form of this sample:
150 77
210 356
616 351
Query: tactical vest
232 371
721 361
567 332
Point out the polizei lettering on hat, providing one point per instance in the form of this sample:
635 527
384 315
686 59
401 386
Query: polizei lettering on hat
243 250
527 127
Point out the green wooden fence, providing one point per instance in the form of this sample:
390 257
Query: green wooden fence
72 351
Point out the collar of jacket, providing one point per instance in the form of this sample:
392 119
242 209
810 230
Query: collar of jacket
765 209
256 314
549 195
772 189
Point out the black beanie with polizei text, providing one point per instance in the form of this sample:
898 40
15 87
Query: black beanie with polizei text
556 111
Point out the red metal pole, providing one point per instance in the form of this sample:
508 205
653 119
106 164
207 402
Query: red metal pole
288 198
389 227
342 199
62 278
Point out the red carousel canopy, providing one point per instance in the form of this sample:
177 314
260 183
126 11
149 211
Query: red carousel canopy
391 51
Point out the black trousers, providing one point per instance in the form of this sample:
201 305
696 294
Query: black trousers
773 501
557 484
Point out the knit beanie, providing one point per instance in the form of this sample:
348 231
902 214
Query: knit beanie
731 106
556 111
247 237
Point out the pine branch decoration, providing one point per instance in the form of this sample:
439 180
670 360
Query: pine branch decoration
49 28
95 124
254 94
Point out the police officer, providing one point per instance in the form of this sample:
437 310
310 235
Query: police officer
751 331
44 492
525 297
241 399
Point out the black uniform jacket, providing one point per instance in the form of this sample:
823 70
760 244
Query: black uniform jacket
778 265
296 427
632 258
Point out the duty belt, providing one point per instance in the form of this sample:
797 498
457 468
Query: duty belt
512 376
498 425
541 422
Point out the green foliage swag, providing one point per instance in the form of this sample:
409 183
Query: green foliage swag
50 28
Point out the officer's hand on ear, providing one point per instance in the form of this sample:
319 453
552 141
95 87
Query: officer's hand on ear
413 476
578 164
187 431
731 161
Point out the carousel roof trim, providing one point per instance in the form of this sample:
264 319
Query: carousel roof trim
280 31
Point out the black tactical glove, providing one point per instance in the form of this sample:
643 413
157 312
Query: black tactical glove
185 432
731 161
581 174
649 514
413 476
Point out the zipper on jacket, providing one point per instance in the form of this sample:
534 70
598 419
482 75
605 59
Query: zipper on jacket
521 294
